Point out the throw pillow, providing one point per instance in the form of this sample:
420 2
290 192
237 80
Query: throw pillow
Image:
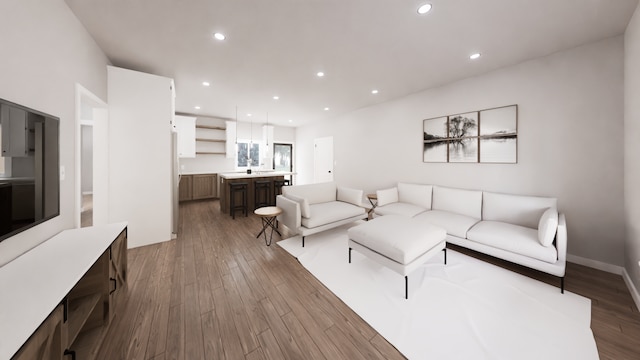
305 209
547 227
351 196
387 196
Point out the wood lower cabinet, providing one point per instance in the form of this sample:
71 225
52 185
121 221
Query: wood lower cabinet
198 187
76 327
185 188
46 342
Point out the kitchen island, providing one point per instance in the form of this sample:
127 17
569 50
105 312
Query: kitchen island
225 179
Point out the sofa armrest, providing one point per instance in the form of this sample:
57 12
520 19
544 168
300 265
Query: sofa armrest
291 216
561 239
351 196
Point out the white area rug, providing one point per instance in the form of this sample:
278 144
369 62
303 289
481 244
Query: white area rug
467 309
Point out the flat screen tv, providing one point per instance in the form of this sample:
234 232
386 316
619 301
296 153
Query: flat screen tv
29 180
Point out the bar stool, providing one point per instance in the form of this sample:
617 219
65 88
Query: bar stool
261 190
278 184
236 188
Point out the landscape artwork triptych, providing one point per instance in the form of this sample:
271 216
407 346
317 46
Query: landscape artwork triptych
485 136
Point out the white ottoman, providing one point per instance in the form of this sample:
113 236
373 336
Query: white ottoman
400 243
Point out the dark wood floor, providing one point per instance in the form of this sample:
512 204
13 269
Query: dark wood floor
217 292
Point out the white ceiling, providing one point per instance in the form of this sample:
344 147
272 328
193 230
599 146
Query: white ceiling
276 47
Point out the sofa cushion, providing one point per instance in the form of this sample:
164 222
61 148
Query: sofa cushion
547 227
399 208
305 209
387 196
454 224
415 194
513 238
458 201
351 196
515 209
326 213
314 193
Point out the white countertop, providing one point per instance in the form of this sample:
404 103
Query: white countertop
37 281
254 174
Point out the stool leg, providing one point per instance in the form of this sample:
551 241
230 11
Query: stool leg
445 255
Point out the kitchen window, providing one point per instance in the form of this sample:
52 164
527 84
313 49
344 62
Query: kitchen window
247 154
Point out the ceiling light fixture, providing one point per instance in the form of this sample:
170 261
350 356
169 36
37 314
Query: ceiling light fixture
474 56
249 114
374 91
205 83
219 36
320 74
326 109
423 9
276 97
197 107
290 120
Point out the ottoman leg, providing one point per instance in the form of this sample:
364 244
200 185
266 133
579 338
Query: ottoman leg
406 287
349 255
445 255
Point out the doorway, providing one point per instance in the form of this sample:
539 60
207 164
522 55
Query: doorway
92 159
323 159
283 159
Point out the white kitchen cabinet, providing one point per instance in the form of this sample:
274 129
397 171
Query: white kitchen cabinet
186 129
15 131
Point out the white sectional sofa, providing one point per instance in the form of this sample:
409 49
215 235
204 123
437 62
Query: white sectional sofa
526 230
309 209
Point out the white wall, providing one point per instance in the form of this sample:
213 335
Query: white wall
140 154
632 148
570 141
44 51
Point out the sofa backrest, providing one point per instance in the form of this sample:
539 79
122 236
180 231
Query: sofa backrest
515 209
459 201
314 193
416 194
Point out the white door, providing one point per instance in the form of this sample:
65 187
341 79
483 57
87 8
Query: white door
323 159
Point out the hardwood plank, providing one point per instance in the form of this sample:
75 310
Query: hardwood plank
175 336
269 346
288 346
301 337
224 319
194 347
347 348
387 350
252 307
255 355
213 348
244 331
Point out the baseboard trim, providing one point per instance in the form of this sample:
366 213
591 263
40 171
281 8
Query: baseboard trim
614 269
632 288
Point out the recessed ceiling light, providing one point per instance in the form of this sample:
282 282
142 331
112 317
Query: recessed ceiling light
197 107
474 56
290 120
205 83
320 74
326 109
374 91
423 9
249 114
219 36
276 97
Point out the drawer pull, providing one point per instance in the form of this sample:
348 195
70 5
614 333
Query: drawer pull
115 285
